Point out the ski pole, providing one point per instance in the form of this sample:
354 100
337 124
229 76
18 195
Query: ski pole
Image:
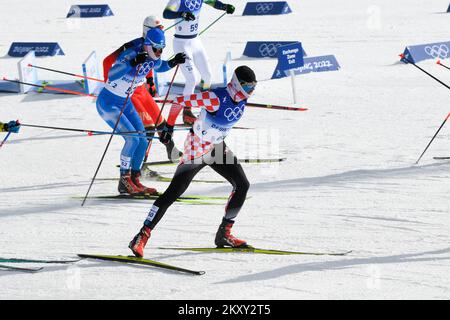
269 106
204 30
112 135
211 24
4 140
168 28
51 88
433 138
427 73
67 73
89 132
441 64
256 105
160 112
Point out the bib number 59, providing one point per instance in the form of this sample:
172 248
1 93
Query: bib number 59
194 27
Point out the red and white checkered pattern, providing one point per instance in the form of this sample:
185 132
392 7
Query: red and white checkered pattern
207 100
194 148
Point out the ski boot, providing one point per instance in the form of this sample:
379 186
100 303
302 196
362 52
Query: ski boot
143 189
224 238
139 241
188 117
126 185
173 154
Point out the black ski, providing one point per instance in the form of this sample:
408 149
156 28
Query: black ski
11 268
140 261
441 158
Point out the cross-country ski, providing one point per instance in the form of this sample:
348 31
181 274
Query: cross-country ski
49 261
139 261
258 250
4 267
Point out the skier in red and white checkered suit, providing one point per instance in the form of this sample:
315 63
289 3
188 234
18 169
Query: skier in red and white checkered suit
204 146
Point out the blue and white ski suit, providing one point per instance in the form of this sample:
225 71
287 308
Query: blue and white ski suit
123 79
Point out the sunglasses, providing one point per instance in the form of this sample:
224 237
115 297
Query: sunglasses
157 50
248 86
160 27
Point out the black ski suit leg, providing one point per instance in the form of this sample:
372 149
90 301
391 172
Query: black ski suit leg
180 182
234 173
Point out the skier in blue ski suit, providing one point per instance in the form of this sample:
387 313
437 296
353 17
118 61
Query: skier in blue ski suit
128 73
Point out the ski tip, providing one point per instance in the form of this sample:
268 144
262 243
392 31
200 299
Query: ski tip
344 253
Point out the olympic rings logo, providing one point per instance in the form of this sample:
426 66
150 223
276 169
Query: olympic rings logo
233 114
269 49
263 8
437 51
145 68
193 4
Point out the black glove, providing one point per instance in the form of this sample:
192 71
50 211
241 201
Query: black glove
188 16
166 134
11 126
178 59
151 86
229 8
140 58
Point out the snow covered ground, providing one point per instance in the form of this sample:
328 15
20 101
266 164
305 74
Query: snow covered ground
349 182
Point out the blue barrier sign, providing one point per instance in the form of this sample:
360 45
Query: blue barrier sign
265 49
289 57
20 49
266 8
448 10
439 50
318 64
89 11
312 64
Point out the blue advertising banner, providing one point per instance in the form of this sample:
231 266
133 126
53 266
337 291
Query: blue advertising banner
312 64
417 53
289 57
266 8
448 10
265 49
20 49
319 64
89 11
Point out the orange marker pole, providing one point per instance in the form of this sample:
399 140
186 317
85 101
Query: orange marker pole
439 62
52 88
